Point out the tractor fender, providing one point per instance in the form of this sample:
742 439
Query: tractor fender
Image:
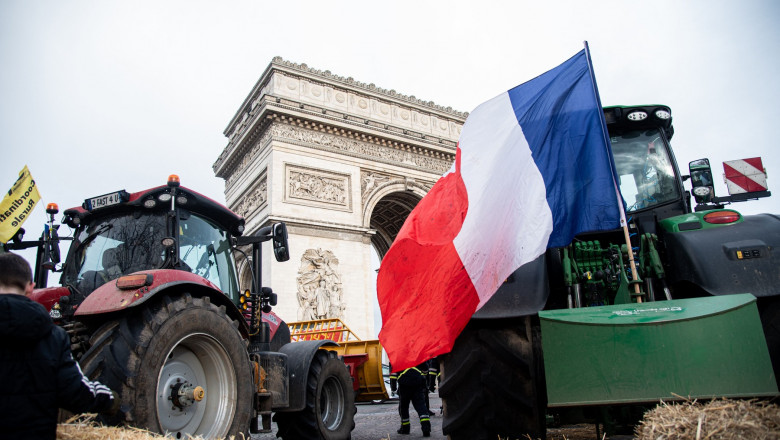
48 296
109 298
524 292
299 357
738 258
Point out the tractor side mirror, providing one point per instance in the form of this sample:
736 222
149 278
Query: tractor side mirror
281 249
701 181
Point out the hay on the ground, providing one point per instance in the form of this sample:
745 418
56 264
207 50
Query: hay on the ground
84 427
722 419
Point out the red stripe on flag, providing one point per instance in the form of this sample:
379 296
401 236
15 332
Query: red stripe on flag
424 292
424 324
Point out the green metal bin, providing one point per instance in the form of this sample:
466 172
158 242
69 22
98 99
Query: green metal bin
634 353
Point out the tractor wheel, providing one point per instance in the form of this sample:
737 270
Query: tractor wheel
769 310
330 403
492 383
180 366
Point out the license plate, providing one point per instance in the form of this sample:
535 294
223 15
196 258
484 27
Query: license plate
105 200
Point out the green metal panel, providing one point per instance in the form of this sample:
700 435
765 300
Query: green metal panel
697 348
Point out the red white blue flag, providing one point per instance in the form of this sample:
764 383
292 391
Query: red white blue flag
533 168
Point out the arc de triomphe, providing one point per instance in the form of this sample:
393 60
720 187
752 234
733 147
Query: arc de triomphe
342 163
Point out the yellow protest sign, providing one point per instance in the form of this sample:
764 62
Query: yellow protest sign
17 204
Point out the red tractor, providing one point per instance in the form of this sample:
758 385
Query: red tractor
150 297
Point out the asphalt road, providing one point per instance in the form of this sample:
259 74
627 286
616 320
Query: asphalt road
380 421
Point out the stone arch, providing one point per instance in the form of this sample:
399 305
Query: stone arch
244 272
381 150
387 209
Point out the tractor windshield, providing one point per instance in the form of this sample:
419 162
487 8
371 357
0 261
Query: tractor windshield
645 171
117 245
113 246
204 248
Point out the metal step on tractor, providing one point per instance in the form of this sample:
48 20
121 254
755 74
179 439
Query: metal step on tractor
150 298
600 330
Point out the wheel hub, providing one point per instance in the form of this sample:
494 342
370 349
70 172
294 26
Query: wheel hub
184 394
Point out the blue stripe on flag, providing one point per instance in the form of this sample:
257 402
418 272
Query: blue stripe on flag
559 114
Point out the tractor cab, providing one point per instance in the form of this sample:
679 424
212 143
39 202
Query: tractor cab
167 227
647 172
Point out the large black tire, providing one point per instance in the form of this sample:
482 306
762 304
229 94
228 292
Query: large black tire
176 340
492 382
769 311
330 403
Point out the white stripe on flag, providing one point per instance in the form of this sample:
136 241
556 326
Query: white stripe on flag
504 185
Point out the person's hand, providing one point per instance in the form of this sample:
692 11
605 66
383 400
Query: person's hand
115 402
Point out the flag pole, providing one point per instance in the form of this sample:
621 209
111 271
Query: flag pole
623 223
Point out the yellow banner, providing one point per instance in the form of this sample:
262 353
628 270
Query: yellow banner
17 205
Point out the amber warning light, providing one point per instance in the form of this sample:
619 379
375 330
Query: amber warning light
173 180
129 282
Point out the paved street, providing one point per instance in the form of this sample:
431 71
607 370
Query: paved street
381 421
377 421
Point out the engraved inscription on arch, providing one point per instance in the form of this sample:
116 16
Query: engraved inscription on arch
319 188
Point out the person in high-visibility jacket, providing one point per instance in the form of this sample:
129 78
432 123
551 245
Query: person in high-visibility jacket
433 379
412 387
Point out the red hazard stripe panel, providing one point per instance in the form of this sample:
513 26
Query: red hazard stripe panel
747 174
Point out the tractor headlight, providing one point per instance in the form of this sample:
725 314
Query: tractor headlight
662 114
637 116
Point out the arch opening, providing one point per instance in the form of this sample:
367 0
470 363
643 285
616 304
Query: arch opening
387 217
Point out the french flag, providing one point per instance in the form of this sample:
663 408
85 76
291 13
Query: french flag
533 168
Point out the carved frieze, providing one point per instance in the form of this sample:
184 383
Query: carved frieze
253 199
359 148
332 142
250 155
369 181
319 188
320 294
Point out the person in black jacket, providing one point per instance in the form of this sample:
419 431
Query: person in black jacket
37 370
433 379
412 385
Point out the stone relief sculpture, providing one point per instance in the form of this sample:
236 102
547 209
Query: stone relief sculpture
319 286
312 187
253 198
370 180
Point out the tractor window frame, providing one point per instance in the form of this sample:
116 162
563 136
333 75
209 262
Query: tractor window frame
645 167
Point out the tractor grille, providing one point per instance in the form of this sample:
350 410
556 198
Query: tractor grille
277 381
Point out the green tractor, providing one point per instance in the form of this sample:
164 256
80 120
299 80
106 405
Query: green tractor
601 329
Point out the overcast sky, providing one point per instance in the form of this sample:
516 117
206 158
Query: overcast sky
97 96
